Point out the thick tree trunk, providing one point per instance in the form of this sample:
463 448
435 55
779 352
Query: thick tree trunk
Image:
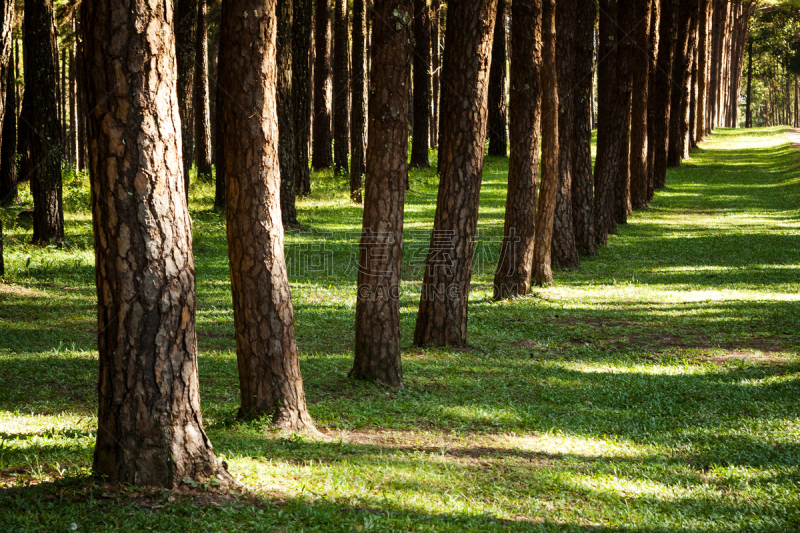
321 156
652 103
201 105
564 249
358 109
582 189
341 89
377 347
422 67
515 267
150 430
8 109
442 318
545 212
286 140
301 91
41 61
185 29
498 109
639 140
269 369
668 35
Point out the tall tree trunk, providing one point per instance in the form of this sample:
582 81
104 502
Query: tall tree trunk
185 29
652 104
266 350
422 67
41 59
341 89
684 144
668 35
702 70
83 110
436 14
545 212
514 270
498 110
377 347
150 429
582 189
62 89
219 124
358 109
628 14
301 91
444 85
72 141
286 140
201 105
681 71
796 102
564 250
442 318
321 156
8 109
639 140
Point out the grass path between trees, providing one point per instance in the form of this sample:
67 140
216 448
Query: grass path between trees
655 388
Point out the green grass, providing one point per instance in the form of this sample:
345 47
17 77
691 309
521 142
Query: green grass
655 388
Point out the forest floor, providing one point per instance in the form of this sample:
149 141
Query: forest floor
655 388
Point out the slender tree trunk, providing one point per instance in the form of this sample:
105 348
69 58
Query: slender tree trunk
442 318
652 94
668 35
150 429
796 102
301 91
321 153
286 140
185 29
83 110
684 125
545 212
444 85
498 109
72 102
436 13
421 95
341 89
639 140
749 109
702 70
200 99
41 61
269 369
377 347
219 123
62 89
630 12
358 109
8 110
515 267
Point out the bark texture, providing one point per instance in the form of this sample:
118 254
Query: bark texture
498 108
515 267
201 102
185 30
442 318
41 59
668 35
266 350
219 135
652 103
628 15
341 89
150 430
321 156
8 108
377 347
301 91
422 96
286 140
641 72
681 67
358 108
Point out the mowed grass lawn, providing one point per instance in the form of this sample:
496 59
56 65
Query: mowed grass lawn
655 388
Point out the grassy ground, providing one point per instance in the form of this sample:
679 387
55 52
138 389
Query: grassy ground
656 388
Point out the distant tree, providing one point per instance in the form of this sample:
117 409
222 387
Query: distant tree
8 107
442 318
498 107
377 347
202 111
341 89
422 68
269 369
287 151
150 429
358 109
681 69
301 93
641 72
662 97
185 25
513 274
653 125
321 156
219 135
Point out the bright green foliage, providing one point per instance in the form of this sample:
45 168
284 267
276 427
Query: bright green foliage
655 389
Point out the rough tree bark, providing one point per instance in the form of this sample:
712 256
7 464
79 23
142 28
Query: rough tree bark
150 429
286 140
628 15
8 108
358 109
377 347
498 109
201 104
684 126
341 89
652 124
185 29
219 135
266 350
641 72
442 318
542 267
301 91
514 269
41 58
564 249
422 68
681 67
668 35
582 188
702 69
321 156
